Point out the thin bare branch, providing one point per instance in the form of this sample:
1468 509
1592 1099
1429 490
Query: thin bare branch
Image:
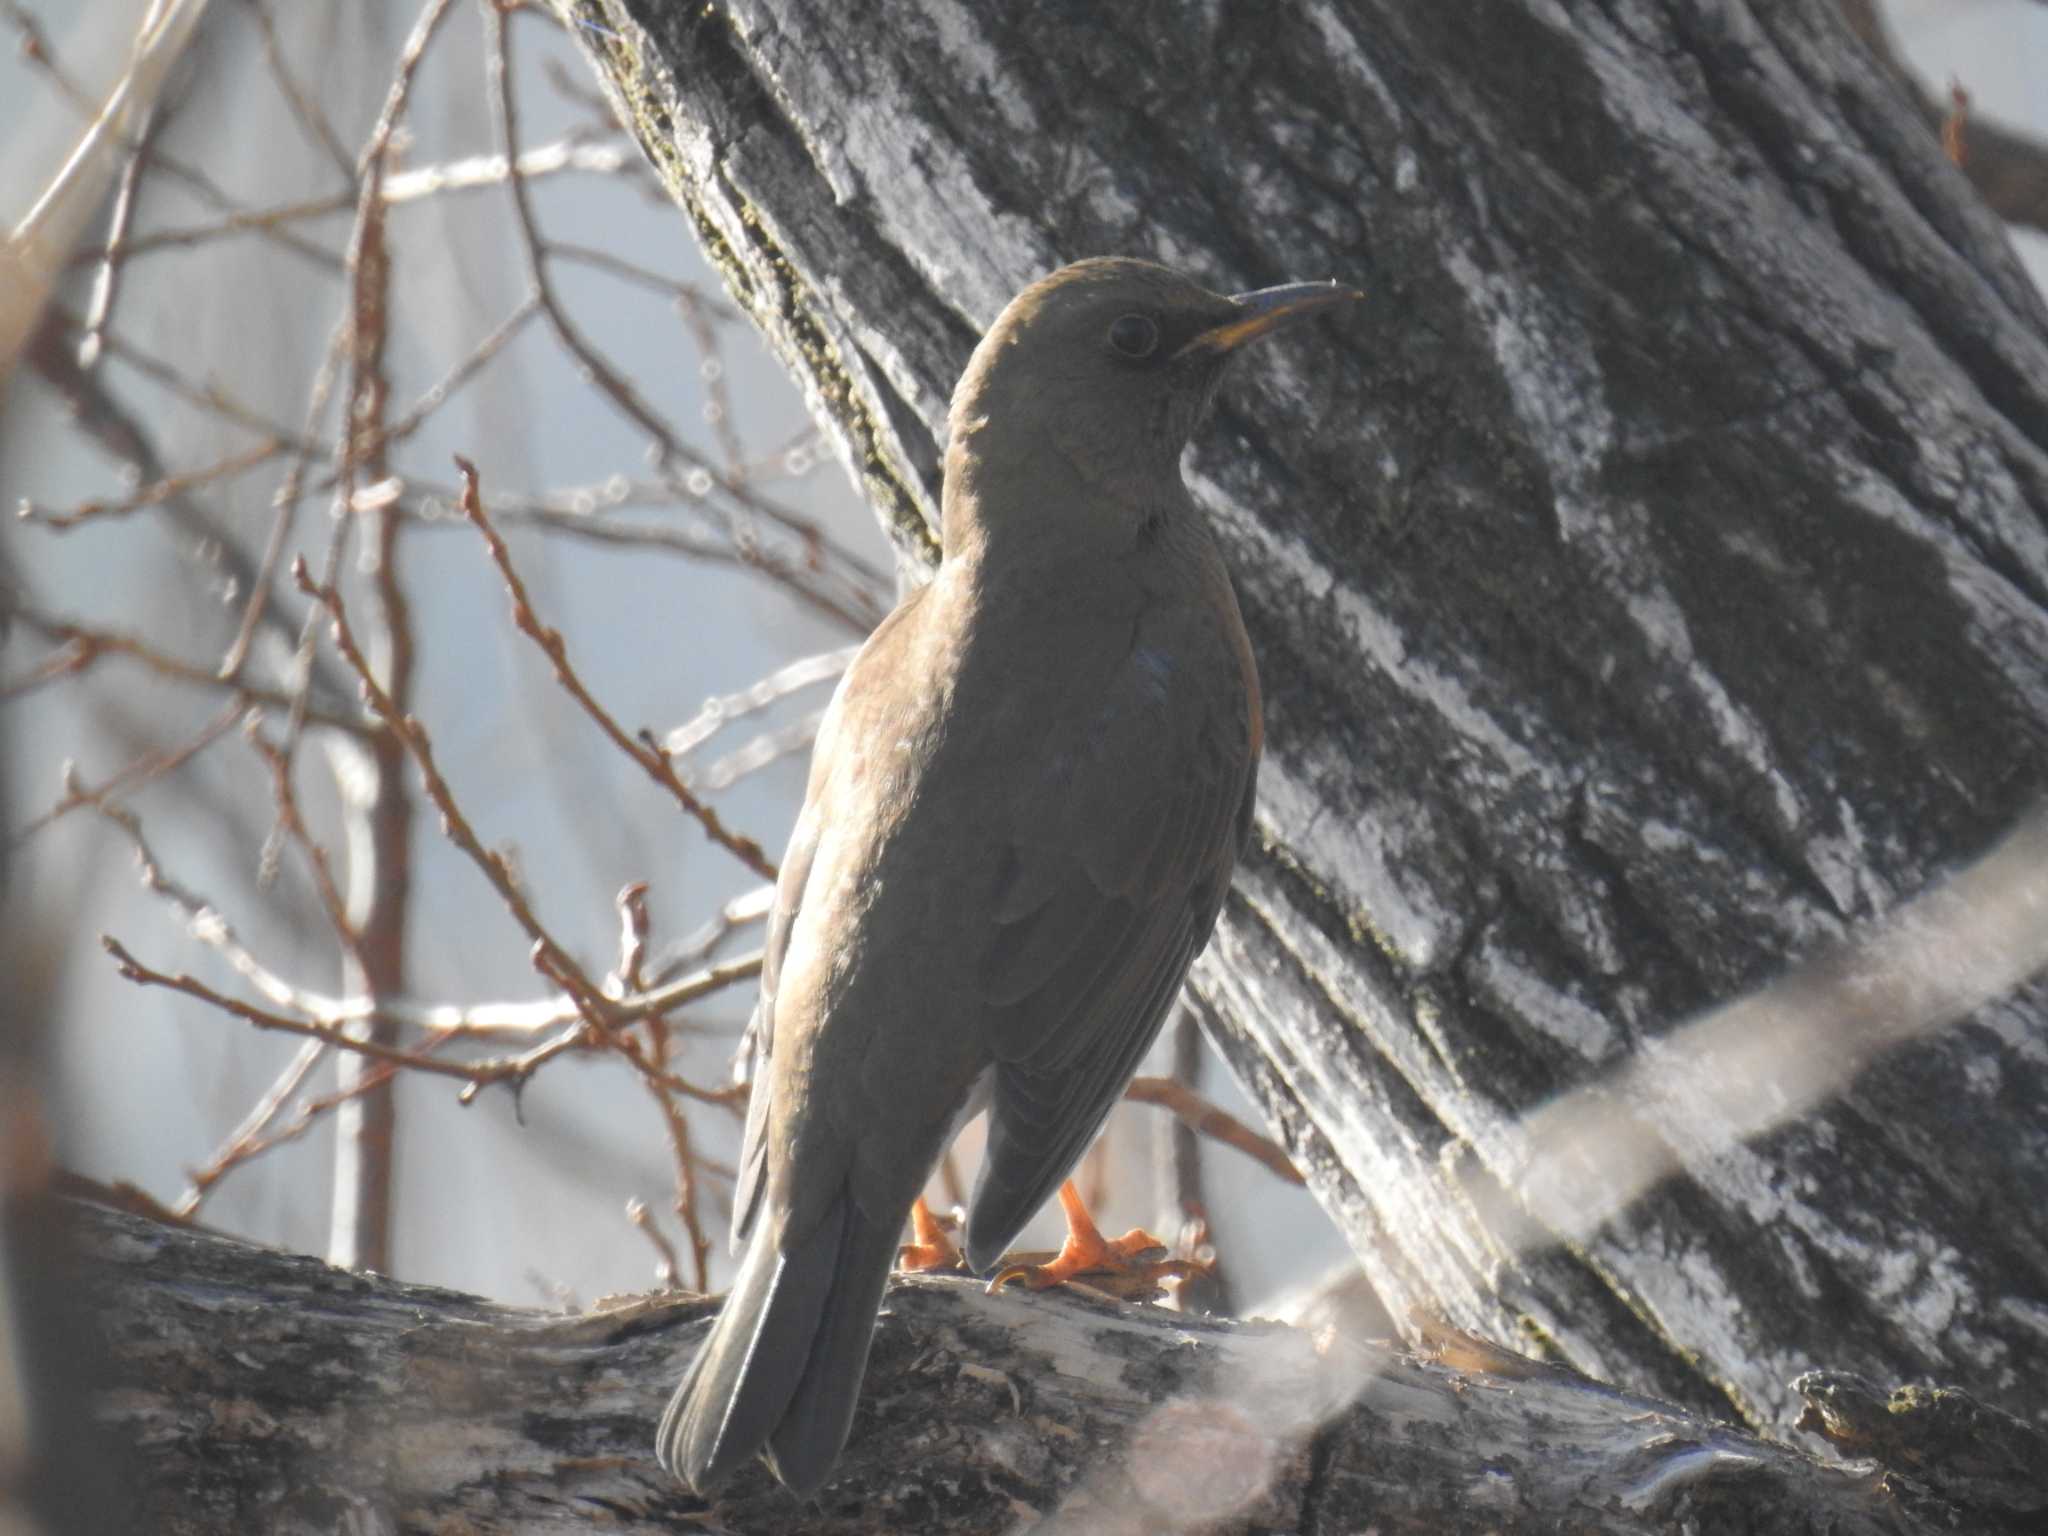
607 158
474 173
286 800
78 795
722 710
243 1142
480 356
212 398
106 283
668 1273
711 308
81 647
696 947
475 1075
121 433
547 952
303 106
157 492
204 921
367 229
761 751
818 589
866 581
35 50
651 757
134 970
241 1150
634 924
285 506
1205 1119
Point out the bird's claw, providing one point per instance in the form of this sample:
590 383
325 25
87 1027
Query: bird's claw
931 1248
1130 1268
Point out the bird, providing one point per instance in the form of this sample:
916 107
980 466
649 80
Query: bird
1025 802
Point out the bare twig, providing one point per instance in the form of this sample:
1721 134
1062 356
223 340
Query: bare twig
378 440
608 158
652 758
82 647
150 765
690 543
548 954
1178 1150
1178 1158
685 1203
481 355
244 1149
333 1034
475 173
380 870
121 433
862 605
35 50
241 221
157 492
106 281
718 402
249 1135
1206 1119
668 1273
475 1075
762 750
690 294
443 1022
285 506
366 230
633 928
286 801
722 710
211 398
303 106
696 947
203 920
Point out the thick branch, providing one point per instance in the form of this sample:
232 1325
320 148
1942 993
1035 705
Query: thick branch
245 1380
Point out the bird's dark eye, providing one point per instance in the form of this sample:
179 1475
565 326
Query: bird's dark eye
1133 336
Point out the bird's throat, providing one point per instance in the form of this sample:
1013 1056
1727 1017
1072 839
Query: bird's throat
1044 501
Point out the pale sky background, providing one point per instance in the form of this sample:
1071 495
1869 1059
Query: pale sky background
146 1084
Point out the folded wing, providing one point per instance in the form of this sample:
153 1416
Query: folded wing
1123 834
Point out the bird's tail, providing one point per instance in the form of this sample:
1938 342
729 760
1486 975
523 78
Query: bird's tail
781 1369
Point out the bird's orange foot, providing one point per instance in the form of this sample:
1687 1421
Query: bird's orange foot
1130 1268
932 1247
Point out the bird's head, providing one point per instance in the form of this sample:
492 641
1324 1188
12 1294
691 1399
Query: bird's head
1094 377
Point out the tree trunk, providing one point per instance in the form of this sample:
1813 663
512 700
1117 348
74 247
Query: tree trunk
246 1389
1647 581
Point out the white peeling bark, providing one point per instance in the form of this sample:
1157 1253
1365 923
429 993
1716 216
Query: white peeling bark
1648 582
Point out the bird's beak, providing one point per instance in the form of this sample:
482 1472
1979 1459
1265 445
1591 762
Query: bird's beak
1268 309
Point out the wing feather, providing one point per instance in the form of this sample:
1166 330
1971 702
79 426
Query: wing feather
789 889
1041 1122
1118 855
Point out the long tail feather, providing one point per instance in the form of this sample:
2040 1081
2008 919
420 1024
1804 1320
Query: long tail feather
781 1369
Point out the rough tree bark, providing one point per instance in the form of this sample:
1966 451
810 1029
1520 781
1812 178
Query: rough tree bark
1648 582
251 1390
